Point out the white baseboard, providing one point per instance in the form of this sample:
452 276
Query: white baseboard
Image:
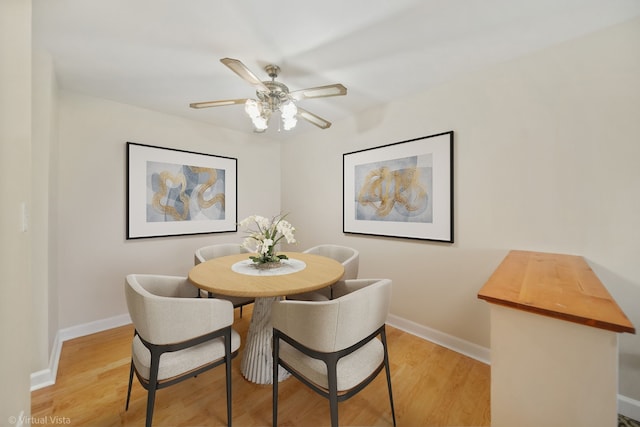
475 351
19 421
629 407
47 377
93 327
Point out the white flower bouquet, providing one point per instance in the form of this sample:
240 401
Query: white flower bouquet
264 235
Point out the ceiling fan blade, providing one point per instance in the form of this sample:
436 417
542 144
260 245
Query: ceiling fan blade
240 69
220 103
313 119
319 92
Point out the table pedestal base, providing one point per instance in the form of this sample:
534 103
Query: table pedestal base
257 359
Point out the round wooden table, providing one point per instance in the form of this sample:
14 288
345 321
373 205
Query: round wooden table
230 275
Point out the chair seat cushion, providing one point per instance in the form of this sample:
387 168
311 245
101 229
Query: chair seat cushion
179 362
351 370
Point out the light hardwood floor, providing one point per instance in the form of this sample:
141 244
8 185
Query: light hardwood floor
432 386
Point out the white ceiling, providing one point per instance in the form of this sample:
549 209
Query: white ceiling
164 54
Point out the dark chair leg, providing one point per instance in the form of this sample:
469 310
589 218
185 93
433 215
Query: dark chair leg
151 397
153 385
276 355
241 312
227 362
126 408
332 377
388 370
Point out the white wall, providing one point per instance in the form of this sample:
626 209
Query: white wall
546 158
93 253
15 188
45 320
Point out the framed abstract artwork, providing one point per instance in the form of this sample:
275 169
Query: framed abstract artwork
404 189
175 192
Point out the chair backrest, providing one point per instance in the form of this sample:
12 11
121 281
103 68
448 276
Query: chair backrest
214 251
349 258
162 308
360 308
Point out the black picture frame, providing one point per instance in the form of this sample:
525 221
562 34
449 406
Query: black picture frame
172 192
402 189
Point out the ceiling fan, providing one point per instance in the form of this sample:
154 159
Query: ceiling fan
274 96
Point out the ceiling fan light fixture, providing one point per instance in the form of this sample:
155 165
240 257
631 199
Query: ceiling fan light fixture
256 112
274 96
289 122
252 108
260 123
289 111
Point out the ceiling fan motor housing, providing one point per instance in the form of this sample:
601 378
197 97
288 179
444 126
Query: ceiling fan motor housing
278 93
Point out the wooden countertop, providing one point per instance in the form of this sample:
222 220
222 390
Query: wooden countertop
555 285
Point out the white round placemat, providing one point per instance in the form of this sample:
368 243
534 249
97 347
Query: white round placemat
249 268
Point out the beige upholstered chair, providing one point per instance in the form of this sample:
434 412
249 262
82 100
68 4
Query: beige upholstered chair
176 335
335 347
349 258
215 251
